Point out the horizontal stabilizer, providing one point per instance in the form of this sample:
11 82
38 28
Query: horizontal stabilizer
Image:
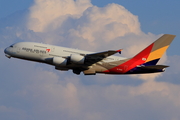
154 67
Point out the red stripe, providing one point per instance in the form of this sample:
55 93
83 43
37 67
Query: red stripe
134 62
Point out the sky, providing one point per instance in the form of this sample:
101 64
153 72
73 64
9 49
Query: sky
30 90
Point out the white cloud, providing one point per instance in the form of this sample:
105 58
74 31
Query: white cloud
81 22
44 12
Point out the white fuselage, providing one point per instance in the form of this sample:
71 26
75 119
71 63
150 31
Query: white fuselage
41 52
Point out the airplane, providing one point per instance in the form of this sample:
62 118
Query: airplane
90 63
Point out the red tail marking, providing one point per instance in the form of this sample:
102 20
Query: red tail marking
130 64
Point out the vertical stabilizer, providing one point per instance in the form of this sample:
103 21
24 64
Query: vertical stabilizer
154 52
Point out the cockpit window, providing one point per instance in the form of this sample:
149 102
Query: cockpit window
12 45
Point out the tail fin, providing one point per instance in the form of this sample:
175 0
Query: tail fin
154 52
146 60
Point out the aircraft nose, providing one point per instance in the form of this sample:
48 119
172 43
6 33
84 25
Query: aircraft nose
7 51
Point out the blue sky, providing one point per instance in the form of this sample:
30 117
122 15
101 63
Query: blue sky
8 7
155 16
30 90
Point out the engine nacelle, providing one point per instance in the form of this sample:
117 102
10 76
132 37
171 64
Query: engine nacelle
78 59
59 61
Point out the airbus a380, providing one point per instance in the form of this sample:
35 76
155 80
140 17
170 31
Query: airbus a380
91 63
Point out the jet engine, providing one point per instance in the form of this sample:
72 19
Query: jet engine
59 61
77 59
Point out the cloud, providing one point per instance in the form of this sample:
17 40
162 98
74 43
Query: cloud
9 113
81 21
44 12
172 73
47 94
31 90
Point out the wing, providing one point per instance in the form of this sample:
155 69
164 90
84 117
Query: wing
96 57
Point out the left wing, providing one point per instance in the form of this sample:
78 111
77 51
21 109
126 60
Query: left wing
96 57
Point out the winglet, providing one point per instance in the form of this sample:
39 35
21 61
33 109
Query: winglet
119 51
